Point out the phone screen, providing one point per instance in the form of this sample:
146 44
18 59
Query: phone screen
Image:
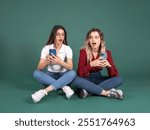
52 51
103 55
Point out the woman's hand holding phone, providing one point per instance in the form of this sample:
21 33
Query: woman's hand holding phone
53 58
104 63
100 62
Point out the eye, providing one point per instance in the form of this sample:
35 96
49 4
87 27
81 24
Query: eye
97 37
90 37
60 34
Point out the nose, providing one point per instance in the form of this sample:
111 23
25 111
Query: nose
93 39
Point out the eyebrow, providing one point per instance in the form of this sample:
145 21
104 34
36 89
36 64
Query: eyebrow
94 36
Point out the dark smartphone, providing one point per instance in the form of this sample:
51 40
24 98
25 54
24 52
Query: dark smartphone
103 56
52 51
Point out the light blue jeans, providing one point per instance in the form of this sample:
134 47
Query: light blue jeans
96 83
56 80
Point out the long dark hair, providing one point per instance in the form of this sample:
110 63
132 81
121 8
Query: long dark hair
53 35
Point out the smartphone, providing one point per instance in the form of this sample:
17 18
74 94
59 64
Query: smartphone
52 51
103 55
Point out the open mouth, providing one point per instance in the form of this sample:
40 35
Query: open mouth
60 40
93 43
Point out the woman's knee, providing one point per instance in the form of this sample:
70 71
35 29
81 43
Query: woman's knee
72 73
36 74
119 80
77 81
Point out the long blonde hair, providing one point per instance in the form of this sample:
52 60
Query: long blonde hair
102 47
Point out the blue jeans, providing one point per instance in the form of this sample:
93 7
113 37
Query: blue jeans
96 83
56 80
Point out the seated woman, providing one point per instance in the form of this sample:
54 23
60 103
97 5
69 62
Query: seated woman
93 58
57 57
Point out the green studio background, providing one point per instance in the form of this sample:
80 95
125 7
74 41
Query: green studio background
25 26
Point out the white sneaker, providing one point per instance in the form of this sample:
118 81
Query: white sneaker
118 90
37 96
68 91
119 93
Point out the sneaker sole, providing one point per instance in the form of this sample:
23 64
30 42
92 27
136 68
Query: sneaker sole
70 95
33 98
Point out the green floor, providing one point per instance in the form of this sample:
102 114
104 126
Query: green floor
15 96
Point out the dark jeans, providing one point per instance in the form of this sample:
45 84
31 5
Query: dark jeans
95 83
